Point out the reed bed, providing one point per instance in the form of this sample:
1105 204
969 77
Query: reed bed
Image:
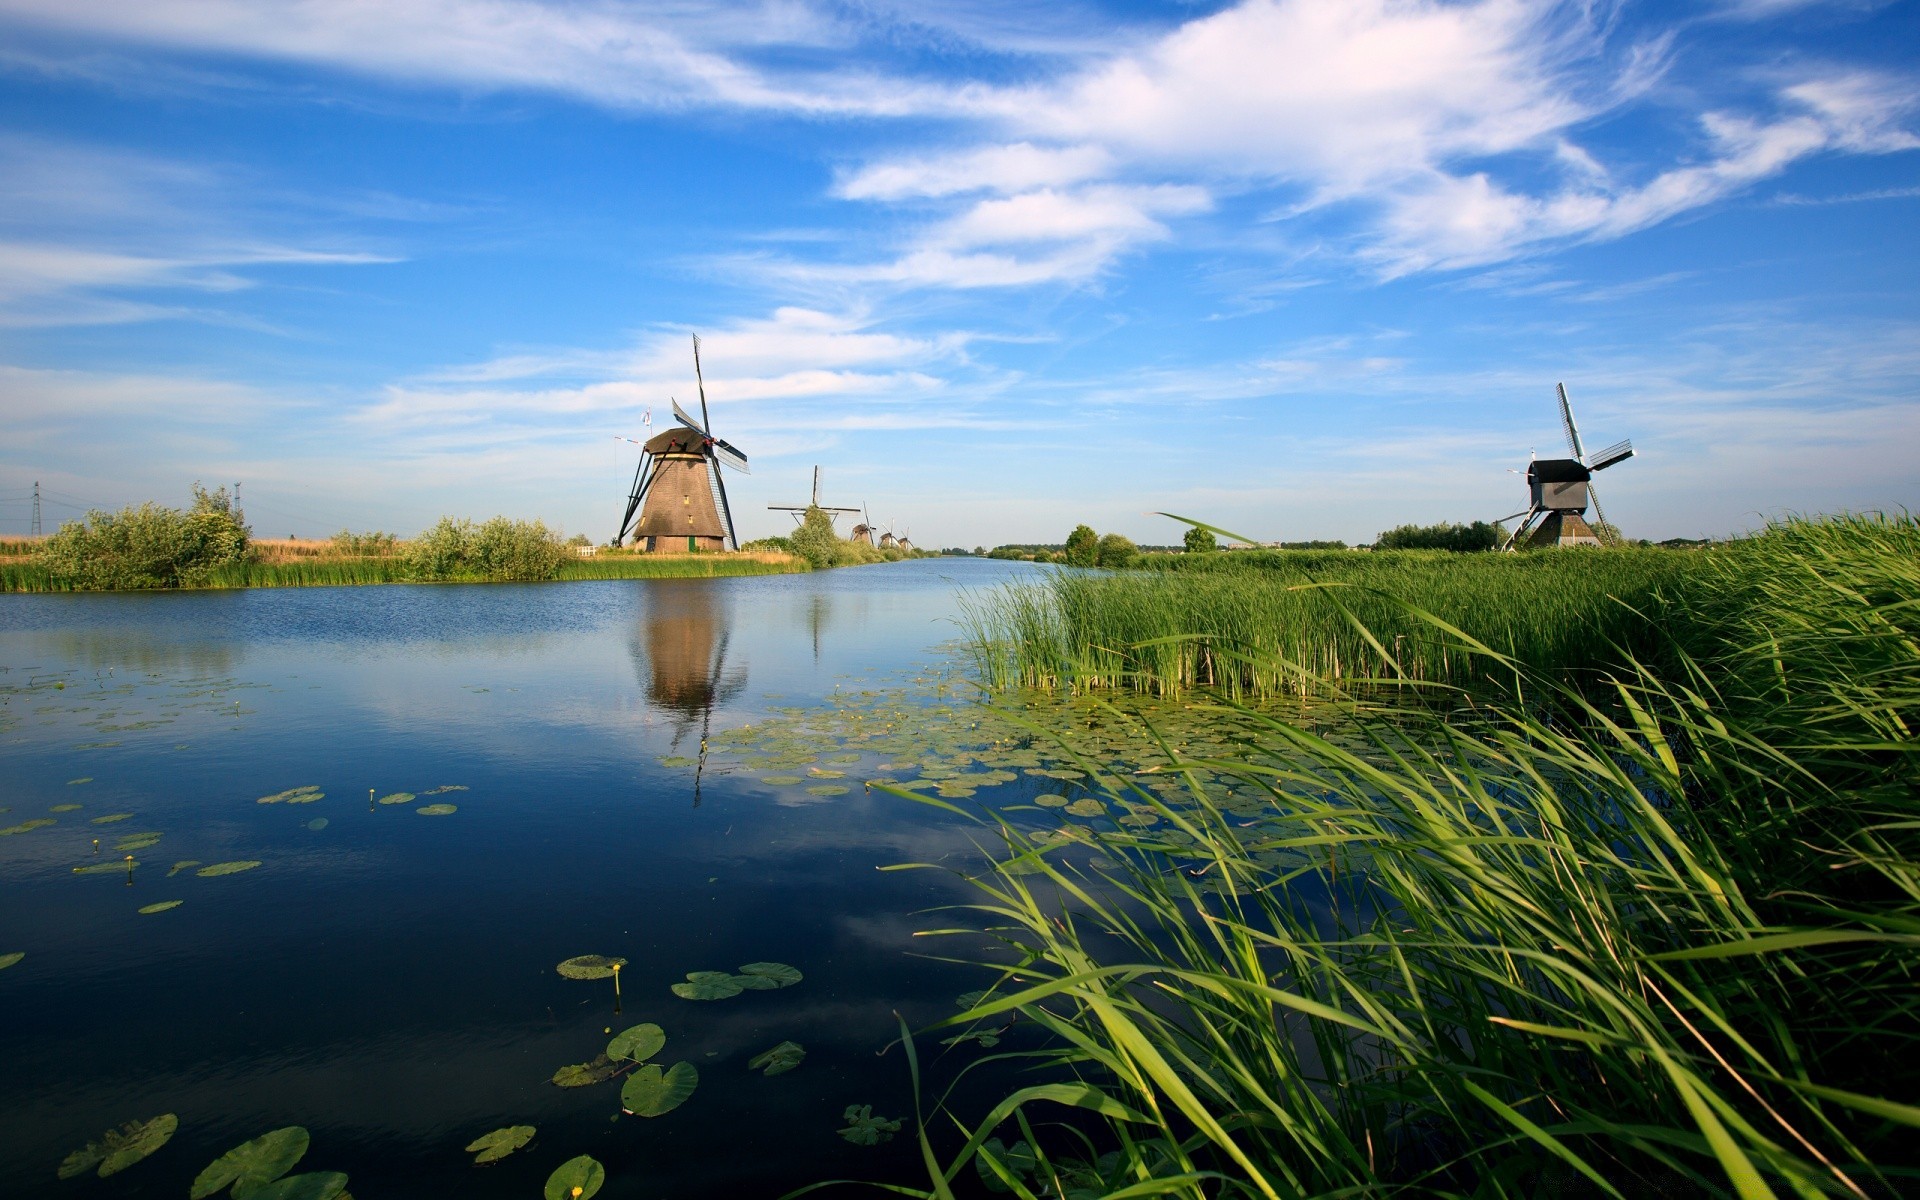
1653 935
1275 624
684 566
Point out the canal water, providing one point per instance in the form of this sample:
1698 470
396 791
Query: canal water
385 976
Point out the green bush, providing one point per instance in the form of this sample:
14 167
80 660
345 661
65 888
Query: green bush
500 549
1199 540
1478 536
815 540
1083 547
372 544
1115 552
149 545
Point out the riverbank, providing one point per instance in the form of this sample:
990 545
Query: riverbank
317 570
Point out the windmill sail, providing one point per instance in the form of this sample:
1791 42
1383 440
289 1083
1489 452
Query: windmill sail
1566 421
680 414
1620 451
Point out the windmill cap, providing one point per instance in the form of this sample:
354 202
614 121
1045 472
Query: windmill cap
1558 470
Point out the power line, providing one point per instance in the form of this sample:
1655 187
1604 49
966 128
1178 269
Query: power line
36 508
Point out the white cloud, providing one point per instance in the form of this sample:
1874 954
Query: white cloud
1011 168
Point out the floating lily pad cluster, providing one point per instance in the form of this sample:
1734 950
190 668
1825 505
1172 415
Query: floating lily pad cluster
305 794
590 966
753 977
865 1129
120 1148
257 1170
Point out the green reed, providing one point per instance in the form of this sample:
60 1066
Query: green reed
1653 935
682 566
1270 624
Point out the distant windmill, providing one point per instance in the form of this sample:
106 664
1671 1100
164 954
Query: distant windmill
799 511
677 489
887 540
1560 490
903 543
863 532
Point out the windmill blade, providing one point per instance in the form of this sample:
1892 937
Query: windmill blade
1566 420
728 455
1523 512
1619 452
680 414
706 422
726 510
642 480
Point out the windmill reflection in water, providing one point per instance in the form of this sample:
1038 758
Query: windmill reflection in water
680 654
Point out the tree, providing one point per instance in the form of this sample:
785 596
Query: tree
1480 535
150 545
1083 546
1115 552
1199 540
815 540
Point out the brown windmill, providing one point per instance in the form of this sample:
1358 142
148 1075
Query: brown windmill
1559 490
677 489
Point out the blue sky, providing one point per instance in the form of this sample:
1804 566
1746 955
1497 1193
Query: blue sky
1306 268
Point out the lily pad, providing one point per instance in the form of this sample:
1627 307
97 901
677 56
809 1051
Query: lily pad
183 865
64 808
437 810
28 826
228 868
780 780
305 794
865 1129
444 788
779 1060
397 798
637 1044
651 1092
775 975
708 985
315 1185
1086 806
590 966
262 1160
584 1074
576 1179
110 818
828 789
7 960
82 779
109 867
161 907
317 824
492 1147
136 841
120 1148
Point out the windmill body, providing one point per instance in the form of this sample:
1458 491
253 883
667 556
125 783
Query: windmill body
677 491
1560 490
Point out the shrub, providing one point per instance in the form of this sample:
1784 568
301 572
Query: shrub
500 549
1083 547
372 544
149 545
1115 552
1199 540
815 540
783 545
1480 535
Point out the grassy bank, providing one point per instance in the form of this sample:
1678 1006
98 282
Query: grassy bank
320 571
1655 934
1262 625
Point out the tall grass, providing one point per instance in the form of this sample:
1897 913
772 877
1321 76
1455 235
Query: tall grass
1274 626
684 566
1654 937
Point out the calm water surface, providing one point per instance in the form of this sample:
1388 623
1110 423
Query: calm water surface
387 980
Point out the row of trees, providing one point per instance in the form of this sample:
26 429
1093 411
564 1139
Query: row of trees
821 545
